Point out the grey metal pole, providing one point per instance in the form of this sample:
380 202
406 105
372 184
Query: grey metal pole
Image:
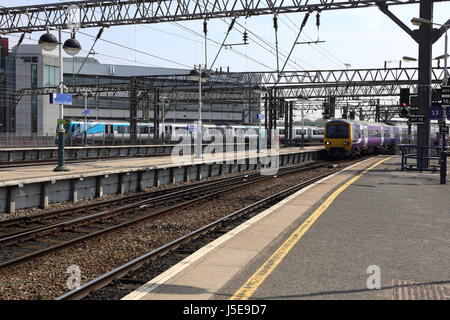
163 134
60 128
199 129
303 128
444 117
424 89
260 123
445 58
85 117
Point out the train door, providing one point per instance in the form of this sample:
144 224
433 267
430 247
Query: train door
365 130
109 133
168 133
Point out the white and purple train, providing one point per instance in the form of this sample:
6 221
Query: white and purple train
345 138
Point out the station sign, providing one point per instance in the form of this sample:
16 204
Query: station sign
86 112
445 96
443 129
260 116
435 113
417 119
191 128
61 98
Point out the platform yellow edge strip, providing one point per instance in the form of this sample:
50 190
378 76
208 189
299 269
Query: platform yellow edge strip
253 283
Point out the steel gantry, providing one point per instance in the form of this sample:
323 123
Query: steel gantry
95 13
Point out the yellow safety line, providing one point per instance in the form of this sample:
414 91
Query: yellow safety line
252 284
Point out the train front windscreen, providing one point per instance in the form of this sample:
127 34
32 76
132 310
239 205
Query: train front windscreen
337 131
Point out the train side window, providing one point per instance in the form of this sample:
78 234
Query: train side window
121 129
143 129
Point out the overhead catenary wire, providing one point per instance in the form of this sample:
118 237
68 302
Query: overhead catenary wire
117 44
99 34
218 44
136 50
258 37
230 27
318 48
305 19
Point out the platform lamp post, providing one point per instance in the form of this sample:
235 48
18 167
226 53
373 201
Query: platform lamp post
418 22
163 100
200 76
259 92
48 42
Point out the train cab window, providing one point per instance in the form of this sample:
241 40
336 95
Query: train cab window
337 131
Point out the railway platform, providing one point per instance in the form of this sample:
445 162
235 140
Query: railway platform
34 154
39 185
369 231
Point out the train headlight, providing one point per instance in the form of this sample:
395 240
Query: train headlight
345 143
328 142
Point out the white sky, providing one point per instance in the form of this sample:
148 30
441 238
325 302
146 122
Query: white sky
361 37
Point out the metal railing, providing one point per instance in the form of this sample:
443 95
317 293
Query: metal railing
425 158
13 140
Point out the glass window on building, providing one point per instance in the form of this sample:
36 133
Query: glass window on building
51 76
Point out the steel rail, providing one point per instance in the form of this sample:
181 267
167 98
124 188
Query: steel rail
38 218
117 273
73 224
131 198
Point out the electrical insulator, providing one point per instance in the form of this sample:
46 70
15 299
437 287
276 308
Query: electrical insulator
275 22
318 20
245 36
205 27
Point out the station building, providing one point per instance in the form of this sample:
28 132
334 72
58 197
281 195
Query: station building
29 66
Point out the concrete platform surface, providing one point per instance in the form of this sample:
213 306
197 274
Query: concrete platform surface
380 235
124 165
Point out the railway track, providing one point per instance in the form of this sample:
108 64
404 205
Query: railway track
23 239
221 226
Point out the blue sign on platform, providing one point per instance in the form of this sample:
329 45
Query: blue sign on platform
260 116
435 113
86 112
60 98
191 128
